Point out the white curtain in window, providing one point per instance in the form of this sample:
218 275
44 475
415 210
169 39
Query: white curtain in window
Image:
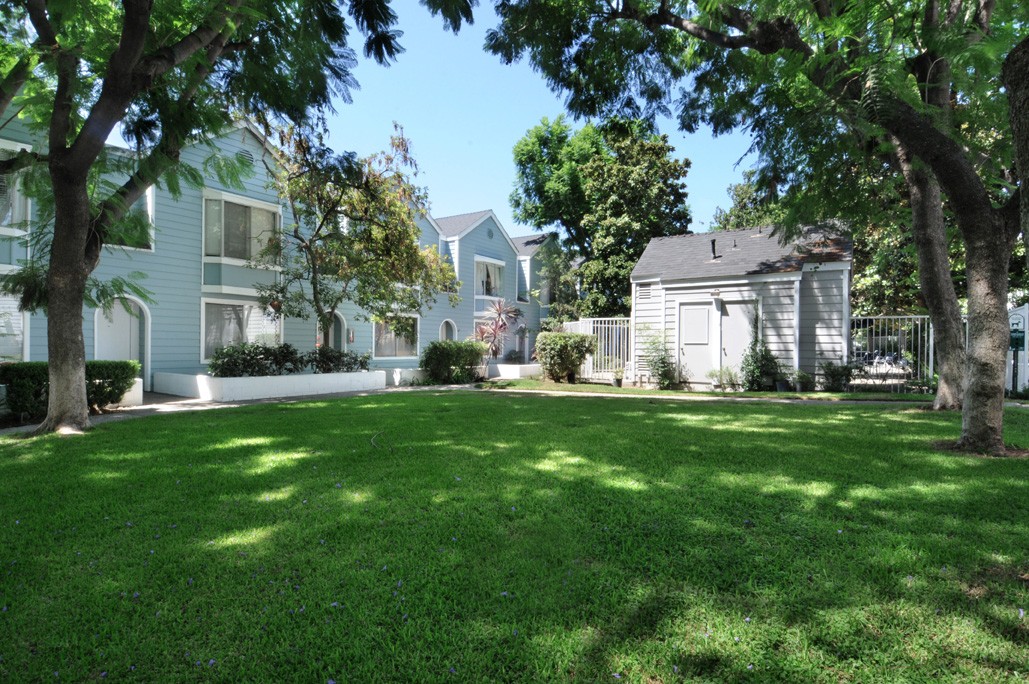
228 324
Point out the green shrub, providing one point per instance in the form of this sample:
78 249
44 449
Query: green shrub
804 381
329 360
759 367
836 377
561 354
240 361
108 381
284 359
663 367
450 361
726 378
28 384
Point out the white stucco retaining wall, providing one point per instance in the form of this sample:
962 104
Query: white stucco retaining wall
402 377
514 371
242 389
134 397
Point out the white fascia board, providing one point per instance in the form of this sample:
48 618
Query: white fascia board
435 226
210 193
724 282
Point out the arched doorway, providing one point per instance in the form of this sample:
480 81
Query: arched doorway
447 331
123 334
338 334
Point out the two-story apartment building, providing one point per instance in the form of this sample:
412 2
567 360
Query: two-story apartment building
196 265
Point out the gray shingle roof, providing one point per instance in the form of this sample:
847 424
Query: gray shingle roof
750 251
528 245
452 226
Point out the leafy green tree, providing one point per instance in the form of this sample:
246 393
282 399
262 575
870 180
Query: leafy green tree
750 206
915 77
170 73
354 235
610 189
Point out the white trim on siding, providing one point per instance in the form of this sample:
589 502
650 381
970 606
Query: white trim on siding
229 290
796 325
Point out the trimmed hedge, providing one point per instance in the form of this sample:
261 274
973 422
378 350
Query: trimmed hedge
28 385
561 354
262 360
449 361
329 360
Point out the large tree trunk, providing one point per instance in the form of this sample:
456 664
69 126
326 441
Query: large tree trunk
1015 75
982 417
930 234
67 410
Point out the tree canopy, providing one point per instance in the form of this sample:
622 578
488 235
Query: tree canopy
813 82
608 189
354 236
171 74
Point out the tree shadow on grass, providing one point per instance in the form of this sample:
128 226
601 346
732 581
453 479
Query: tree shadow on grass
510 538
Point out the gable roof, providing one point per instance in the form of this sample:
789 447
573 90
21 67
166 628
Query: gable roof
528 245
751 251
456 226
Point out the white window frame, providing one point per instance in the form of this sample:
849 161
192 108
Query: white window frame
25 202
485 299
26 326
417 341
524 269
244 201
204 301
150 197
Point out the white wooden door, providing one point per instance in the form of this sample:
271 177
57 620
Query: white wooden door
697 339
737 331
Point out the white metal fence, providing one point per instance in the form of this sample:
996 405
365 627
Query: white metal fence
892 353
613 348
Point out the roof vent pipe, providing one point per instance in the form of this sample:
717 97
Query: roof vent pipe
714 252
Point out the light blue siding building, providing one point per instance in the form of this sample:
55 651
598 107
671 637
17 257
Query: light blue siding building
203 291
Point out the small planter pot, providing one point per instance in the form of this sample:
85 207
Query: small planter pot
616 382
782 385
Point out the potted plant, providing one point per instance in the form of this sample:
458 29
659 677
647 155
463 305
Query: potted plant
803 381
616 379
782 378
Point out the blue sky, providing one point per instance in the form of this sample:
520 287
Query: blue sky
463 111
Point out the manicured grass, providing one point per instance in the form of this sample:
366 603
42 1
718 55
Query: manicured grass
472 536
607 388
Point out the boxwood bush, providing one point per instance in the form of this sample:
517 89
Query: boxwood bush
561 354
329 360
449 361
262 360
28 385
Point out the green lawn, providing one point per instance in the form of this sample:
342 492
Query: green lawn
607 388
471 536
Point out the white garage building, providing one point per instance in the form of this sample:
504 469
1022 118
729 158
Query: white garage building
702 292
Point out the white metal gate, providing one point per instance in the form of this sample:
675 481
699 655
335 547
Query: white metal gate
892 353
611 352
